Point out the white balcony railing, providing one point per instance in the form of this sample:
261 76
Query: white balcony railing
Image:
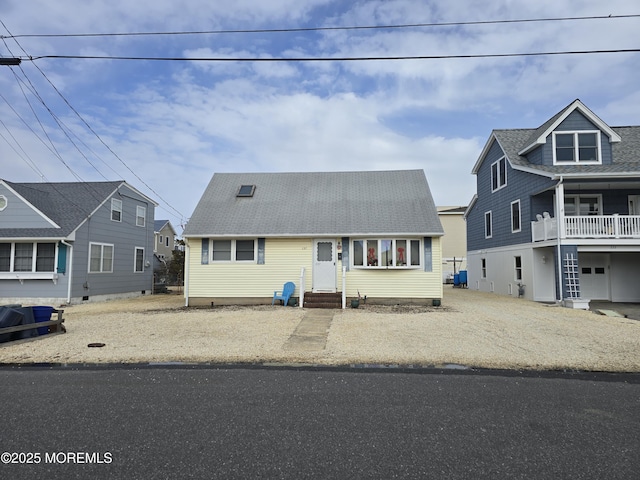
587 226
546 228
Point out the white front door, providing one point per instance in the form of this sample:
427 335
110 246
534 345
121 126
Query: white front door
324 265
594 276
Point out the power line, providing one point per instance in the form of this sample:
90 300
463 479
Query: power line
34 91
26 158
320 29
329 59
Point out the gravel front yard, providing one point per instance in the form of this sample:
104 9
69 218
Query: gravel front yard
471 328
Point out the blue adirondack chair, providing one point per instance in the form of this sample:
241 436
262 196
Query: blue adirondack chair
287 291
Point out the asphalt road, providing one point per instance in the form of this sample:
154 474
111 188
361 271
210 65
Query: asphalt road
164 422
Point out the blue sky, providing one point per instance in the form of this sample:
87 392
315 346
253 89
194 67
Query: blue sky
167 127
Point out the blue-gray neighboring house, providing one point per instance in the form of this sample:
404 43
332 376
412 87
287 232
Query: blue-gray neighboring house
556 216
72 242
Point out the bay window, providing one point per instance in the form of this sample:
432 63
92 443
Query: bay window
386 253
27 257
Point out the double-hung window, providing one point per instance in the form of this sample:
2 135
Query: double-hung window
23 257
386 253
499 174
233 250
141 216
100 258
576 147
45 257
518 268
116 210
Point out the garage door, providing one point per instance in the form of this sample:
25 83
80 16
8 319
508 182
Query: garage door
594 276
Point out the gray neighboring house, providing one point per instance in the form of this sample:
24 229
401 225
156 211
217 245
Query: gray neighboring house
164 241
557 210
71 242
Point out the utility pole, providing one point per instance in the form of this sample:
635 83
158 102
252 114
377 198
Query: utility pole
10 61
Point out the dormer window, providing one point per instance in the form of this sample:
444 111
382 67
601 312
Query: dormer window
576 147
246 191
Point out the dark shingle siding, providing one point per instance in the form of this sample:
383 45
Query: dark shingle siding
617 158
520 186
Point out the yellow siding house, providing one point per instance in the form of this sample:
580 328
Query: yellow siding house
370 233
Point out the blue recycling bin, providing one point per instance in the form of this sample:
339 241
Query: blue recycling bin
463 277
456 279
42 314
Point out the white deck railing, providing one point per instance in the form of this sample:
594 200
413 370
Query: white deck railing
588 226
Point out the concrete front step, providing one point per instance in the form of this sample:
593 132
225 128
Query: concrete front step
322 300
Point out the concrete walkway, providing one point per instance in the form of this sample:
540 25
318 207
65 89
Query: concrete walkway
311 333
628 310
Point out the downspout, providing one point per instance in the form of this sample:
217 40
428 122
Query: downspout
187 255
559 222
70 278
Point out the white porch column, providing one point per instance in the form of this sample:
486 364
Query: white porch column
559 213
562 233
187 259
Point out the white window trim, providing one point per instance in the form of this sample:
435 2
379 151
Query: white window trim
483 267
113 257
233 251
135 257
519 229
490 213
3 202
141 213
393 240
576 147
497 163
34 259
516 268
116 206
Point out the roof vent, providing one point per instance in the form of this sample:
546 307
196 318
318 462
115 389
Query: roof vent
246 191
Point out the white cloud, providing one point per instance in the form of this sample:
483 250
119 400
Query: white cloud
176 123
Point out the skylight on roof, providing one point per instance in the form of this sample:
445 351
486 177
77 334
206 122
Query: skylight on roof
246 191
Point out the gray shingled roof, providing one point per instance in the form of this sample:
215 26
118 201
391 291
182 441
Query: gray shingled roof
320 203
626 153
158 224
67 204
